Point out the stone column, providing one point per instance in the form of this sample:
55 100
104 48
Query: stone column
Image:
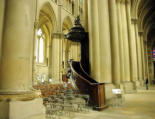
146 58
17 46
125 42
150 62
114 42
56 58
34 50
59 3
94 39
142 55
138 52
50 56
137 84
121 49
132 46
104 42
100 44
17 99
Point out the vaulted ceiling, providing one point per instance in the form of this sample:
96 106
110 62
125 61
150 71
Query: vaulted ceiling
146 19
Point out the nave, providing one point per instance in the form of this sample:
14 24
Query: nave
140 105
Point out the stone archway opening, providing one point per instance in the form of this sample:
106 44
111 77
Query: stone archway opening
42 54
146 25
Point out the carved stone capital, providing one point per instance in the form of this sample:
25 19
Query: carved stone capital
134 21
36 24
140 33
118 1
58 35
127 1
145 42
123 1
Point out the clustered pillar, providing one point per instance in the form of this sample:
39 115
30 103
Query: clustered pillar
114 42
132 44
139 55
104 42
116 51
125 42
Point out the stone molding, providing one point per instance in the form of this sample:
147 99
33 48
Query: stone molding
123 1
118 1
134 21
58 35
36 24
140 33
127 1
22 96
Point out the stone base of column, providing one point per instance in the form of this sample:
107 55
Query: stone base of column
142 82
129 87
25 106
108 93
137 84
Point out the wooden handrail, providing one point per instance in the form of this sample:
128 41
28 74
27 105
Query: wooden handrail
88 85
81 75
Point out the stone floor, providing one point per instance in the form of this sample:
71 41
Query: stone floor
140 105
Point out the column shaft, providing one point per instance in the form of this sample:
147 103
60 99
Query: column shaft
56 59
133 59
114 42
16 67
104 42
94 39
125 43
34 50
142 55
146 58
100 49
138 53
121 49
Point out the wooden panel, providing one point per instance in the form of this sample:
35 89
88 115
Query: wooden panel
87 85
64 78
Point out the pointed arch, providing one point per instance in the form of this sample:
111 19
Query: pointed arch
47 16
43 44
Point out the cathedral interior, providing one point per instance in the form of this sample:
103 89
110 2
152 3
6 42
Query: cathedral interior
77 59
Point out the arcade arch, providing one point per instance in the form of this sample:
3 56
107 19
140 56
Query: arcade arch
144 12
43 45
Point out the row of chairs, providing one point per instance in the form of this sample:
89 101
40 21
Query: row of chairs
50 89
65 103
